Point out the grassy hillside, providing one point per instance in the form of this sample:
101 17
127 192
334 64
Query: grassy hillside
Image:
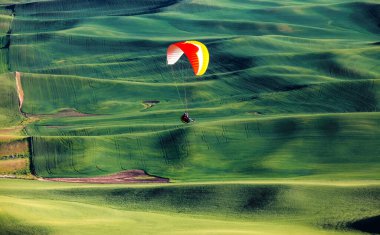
269 208
9 113
318 146
291 89
287 125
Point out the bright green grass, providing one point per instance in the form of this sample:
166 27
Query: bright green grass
292 88
293 146
264 208
291 98
9 114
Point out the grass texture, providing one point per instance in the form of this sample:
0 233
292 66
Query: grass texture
287 125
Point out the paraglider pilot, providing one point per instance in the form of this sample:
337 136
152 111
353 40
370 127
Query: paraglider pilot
185 118
198 56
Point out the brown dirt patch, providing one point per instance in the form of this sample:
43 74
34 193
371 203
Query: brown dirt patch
11 130
13 166
20 91
61 113
124 177
14 148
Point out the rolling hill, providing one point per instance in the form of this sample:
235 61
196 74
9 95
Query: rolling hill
290 98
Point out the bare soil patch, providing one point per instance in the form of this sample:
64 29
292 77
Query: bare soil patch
19 147
124 177
20 91
61 113
13 166
11 130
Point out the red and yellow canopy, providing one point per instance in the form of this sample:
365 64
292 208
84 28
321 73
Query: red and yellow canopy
195 51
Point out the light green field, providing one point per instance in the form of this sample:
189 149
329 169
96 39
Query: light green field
203 208
286 138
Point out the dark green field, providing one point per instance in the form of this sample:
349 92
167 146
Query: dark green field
287 132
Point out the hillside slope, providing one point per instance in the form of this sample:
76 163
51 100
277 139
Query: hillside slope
292 88
286 137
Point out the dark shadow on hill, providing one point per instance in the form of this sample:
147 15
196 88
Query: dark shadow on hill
6 42
10 225
292 87
368 225
174 146
231 200
155 8
30 149
79 9
11 8
328 63
260 198
328 126
367 15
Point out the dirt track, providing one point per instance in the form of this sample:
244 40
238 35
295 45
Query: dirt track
20 91
124 177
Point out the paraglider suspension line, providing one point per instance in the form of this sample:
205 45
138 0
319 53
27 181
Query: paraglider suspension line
179 93
184 88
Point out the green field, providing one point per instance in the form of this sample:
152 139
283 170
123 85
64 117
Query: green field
202 208
286 137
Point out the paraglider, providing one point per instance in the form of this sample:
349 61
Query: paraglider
198 56
185 118
195 51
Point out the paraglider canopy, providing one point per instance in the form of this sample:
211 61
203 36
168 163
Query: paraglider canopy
195 51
